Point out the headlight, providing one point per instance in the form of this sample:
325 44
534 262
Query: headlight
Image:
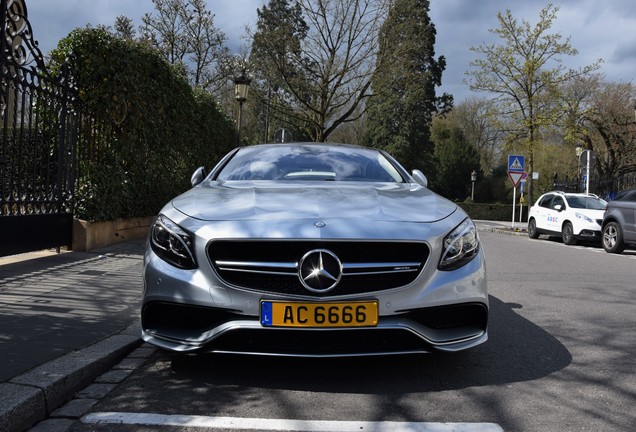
172 243
460 246
585 218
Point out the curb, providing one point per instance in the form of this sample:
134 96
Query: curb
507 231
29 398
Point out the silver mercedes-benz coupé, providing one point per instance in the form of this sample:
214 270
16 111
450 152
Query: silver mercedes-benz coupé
314 250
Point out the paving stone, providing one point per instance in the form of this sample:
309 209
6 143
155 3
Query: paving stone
96 391
143 351
130 363
75 408
114 376
53 425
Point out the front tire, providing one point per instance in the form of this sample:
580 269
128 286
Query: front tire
613 238
567 233
532 229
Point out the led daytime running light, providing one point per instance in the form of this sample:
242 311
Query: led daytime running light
460 246
172 243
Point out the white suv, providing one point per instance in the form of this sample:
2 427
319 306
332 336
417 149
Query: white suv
571 216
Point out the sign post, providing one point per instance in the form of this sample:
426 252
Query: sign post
522 182
514 204
516 166
587 158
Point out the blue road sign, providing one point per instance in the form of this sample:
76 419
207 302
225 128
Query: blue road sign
516 163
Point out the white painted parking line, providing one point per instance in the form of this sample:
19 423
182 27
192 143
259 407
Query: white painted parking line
628 254
124 418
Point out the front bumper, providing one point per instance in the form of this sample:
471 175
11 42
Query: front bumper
590 232
443 328
589 235
194 311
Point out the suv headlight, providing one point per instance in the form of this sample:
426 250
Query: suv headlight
585 218
460 246
172 243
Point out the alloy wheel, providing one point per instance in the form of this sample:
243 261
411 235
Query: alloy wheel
568 234
609 236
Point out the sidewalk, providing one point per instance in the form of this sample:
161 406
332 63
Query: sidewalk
64 319
502 227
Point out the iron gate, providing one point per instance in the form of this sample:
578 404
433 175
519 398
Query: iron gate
39 133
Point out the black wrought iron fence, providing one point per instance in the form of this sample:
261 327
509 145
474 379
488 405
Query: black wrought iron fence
44 135
604 187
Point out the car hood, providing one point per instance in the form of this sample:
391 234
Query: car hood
267 200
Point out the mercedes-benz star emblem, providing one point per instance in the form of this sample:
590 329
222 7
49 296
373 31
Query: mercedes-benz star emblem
319 270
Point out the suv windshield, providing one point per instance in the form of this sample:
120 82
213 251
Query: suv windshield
586 202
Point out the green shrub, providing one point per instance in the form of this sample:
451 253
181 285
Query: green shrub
154 129
495 212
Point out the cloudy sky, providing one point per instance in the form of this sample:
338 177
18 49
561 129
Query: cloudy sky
597 28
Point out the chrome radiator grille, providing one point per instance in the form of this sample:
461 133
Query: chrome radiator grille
272 266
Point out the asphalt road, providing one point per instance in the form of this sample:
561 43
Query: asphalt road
561 357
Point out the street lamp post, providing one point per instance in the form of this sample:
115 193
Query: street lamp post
579 152
473 179
587 170
241 88
588 161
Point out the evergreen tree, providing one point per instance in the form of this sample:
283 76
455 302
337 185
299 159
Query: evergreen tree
276 46
456 158
124 28
403 103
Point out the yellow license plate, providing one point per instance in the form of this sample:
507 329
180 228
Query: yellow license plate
300 314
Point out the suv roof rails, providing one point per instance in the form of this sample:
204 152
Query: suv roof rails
574 193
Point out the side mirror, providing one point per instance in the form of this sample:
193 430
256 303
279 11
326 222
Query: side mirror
558 207
419 178
198 176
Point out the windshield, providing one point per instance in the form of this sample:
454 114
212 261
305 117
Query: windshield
586 202
309 162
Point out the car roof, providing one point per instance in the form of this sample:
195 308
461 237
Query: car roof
311 144
573 194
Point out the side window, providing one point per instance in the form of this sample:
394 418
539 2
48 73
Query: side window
626 195
545 201
558 201
631 196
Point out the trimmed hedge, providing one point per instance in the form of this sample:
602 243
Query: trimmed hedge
156 131
496 212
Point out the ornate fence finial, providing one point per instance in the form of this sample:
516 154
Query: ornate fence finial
18 45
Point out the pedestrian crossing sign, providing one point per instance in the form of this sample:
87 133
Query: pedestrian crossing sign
516 163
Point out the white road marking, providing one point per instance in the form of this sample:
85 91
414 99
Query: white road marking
124 418
628 254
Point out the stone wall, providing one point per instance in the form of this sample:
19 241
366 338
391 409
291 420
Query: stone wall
93 235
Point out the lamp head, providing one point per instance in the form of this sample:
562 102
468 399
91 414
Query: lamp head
241 87
579 149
